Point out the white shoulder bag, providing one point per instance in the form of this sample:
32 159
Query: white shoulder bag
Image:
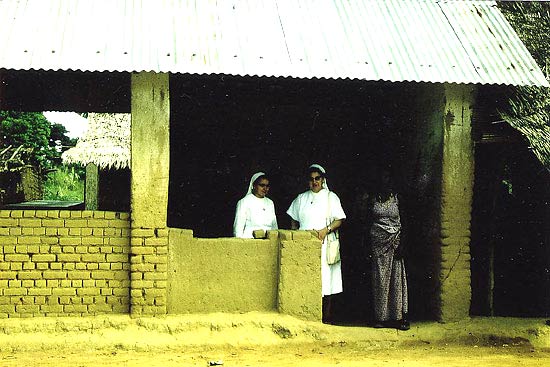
333 242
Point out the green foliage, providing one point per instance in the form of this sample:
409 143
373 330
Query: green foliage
31 130
64 183
46 141
58 136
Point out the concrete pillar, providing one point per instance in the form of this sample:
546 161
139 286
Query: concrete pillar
150 165
299 290
456 202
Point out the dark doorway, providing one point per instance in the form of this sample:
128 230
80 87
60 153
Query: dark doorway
223 129
510 255
227 128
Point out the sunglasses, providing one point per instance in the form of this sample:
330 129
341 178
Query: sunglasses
316 178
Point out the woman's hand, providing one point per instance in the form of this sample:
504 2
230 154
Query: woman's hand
322 233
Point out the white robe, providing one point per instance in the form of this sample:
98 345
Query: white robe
310 210
253 213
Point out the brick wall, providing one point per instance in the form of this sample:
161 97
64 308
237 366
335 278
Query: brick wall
149 258
58 262
78 263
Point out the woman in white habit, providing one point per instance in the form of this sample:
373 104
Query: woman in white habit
255 210
311 211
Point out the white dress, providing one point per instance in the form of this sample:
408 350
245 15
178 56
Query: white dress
310 210
253 213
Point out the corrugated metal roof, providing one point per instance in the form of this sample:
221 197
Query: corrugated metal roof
393 40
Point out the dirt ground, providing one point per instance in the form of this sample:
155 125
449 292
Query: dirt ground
268 340
286 355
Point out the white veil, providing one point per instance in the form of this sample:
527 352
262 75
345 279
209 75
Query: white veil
320 168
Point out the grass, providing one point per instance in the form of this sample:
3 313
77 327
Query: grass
65 183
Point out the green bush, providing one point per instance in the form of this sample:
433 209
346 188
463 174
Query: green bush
64 183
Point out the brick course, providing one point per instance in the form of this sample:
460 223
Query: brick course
60 262
148 258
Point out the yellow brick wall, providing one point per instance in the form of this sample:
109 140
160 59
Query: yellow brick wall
149 266
60 262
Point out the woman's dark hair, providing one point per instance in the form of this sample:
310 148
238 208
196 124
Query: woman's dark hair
385 189
256 181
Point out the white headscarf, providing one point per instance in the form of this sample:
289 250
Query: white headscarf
254 178
320 168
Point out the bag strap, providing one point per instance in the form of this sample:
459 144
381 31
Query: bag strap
328 214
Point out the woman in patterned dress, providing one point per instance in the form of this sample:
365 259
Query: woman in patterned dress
389 279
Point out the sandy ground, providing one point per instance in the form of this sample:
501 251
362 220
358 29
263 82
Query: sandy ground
295 355
257 339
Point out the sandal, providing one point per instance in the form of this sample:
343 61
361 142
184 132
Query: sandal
403 325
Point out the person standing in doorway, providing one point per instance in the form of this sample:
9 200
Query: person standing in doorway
389 279
255 210
320 209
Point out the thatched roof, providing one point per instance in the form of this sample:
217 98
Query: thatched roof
530 114
106 143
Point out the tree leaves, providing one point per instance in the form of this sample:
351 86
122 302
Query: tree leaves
30 130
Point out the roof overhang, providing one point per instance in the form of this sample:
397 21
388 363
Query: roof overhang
392 40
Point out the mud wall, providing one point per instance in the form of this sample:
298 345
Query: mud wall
58 262
456 202
300 275
281 273
221 275
421 200
438 201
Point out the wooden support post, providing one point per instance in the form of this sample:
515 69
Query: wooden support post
91 187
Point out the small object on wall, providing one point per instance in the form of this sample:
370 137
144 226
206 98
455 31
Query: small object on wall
216 363
259 234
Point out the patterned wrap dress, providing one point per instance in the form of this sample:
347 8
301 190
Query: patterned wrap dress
389 279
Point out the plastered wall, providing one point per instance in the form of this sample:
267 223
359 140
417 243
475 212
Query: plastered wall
456 202
57 262
281 273
299 291
221 274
